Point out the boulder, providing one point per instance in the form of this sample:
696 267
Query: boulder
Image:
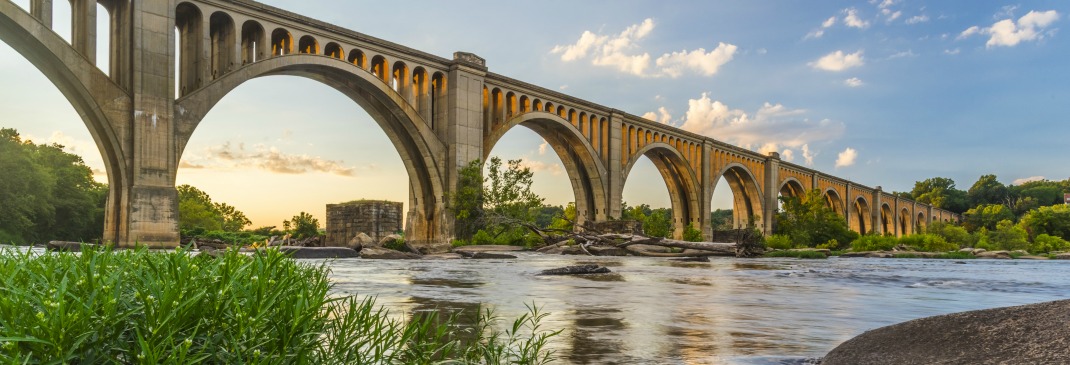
442 256
1028 334
967 249
379 253
361 240
1031 257
993 255
577 270
650 248
299 252
488 248
490 255
692 259
390 240
871 254
1063 256
557 250
607 251
66 246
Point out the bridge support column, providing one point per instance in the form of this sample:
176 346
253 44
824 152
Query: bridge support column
84 28
42 10
463 130
772 189
615 192
875 207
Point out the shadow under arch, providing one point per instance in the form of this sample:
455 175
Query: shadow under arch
792 187
834 202
421 151
747 202
887 219
102 109
858 222
585 169
679 178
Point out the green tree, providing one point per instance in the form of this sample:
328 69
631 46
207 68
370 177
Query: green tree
233 219
26 186
302 225
722 219
1007 236
808 220
507 196
197 212
987 190
569 215
659 223
940 192
547 214
1052 220
467 201
985 216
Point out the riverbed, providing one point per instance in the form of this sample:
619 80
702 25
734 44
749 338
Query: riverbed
726 311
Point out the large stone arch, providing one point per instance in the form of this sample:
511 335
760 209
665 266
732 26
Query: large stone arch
747 203
421 151
679 177
835 202
905 222
102 104
859 221
887 219
585 170
792 187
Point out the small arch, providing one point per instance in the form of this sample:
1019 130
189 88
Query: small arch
333 50
584 130
525 104
282 42
438 98
221 31
357 58
561 112
887 220
253 42
379 69
420 97
858 222
189 25
572 117
308 45
537 105
549 107
399 77
834 202
510 105
497 106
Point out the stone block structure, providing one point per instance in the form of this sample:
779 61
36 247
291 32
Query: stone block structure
376 218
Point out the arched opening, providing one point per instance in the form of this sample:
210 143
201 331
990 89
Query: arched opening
399 79
379 69
536 105
308 45
525 104
904 223
789 189
252 42
887 220
188 25
282 43
679 180
221 31
861 215
510 105
420 98
550 107
834 202
919 224
439 107
333 50
736 199
357 58
497 107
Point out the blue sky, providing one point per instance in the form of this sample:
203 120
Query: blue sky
881 92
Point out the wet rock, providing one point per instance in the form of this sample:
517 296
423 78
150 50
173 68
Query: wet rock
978 250
1031 257
361 240
1063 256
577 270
607 251
1003 255
967 249
442 256
67 246
298 252
551 250
389 240
379 253
1028 334
692 259
870 254
651 248
490 255
573 250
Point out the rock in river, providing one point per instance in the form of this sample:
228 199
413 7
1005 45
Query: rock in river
577 270
1028 334
318 252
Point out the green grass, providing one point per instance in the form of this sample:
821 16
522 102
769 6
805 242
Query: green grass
796 254
136 306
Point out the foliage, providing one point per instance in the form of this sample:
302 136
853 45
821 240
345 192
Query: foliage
507 193
1053 220
809 221
987 190
1044 243
986 216
656 222
564 222
302 225
546 215
1007 236
953 233
722 219
396 245
871 242
141 307
196 210
940 192
928 243
692 234
799 254
467 201
48 194
779 241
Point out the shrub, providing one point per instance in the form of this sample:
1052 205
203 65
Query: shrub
779 241
691 234
873 243
801 254
143 307
1045 243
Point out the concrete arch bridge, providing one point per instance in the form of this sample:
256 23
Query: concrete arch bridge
439 113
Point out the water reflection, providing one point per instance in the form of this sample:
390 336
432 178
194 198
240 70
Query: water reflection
592 334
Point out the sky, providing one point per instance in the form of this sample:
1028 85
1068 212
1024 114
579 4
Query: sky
883 92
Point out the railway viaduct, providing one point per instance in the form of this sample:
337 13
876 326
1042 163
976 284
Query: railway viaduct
439 113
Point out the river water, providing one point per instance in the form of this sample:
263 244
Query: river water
726 311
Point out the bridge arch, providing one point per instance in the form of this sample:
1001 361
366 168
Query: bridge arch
858 220
834 202
585 170
905 227
73 74
919 223
887 220
747 204
415 141
679 178
792 188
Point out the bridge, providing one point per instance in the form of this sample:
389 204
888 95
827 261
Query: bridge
439 113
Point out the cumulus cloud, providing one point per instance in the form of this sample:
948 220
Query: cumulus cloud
853 82
554 169
662 116
851 19
788 155
621 53
773 127
1030 27
828 23
543 148
846 158
838 61
1027 179
266 158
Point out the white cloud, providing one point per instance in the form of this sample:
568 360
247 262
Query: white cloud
808 155
788 155
621 53
838 61
772 127
907 53
852 20
846 158
918 19
853 82
662 116
765 149
1027 179
829 22
265 158
554 169
543 147
952 51
891 16
1008 33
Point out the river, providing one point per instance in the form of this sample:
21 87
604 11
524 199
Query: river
726 311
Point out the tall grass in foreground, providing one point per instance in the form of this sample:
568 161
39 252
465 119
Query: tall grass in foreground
140 307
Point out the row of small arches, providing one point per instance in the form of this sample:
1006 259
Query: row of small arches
501 106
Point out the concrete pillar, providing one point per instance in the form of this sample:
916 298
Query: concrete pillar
42 10
875 211
84 28
772 189
614 167
849 201
464 121
706 185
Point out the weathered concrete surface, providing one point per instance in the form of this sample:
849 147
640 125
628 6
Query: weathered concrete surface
375 218
1028 334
